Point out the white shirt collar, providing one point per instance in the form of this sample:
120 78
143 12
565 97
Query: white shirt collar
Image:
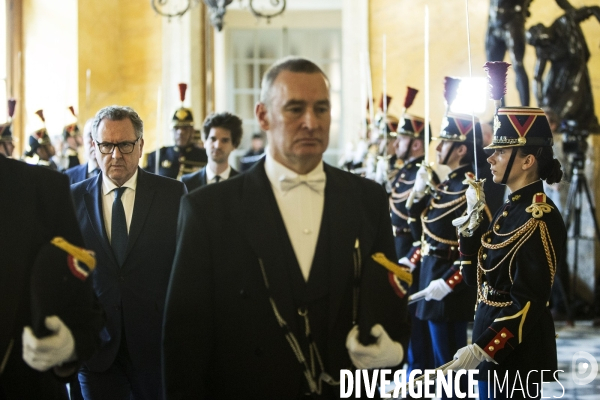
210 175
108 185
276 171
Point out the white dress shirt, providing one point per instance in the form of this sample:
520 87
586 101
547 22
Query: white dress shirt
210 175
127 198
301 209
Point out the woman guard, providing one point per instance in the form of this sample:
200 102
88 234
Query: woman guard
513 261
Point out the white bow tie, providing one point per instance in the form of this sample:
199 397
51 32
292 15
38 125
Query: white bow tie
315 181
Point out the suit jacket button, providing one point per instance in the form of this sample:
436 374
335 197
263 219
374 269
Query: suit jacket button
259 351
243 294
121 278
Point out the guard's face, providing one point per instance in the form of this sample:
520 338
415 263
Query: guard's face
498 163
182 135
297 119
218 145
402 143
118 167
443 148
46 152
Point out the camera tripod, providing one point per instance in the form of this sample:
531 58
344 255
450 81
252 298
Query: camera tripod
577 188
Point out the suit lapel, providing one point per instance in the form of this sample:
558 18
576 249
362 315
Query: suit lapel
93 205
260 213
340 203
202 176
141 208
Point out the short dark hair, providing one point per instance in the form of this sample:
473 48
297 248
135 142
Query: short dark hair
292 64
227 121
118 113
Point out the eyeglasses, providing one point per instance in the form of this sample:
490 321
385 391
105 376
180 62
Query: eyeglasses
124 147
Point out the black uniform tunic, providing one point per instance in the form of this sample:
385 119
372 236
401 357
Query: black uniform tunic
176 161
439 252
518 254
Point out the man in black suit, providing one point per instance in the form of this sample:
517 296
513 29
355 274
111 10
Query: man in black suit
222 135
129 218
267 287
90 168
42 285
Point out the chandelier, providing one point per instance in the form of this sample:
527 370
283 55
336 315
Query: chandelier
167 8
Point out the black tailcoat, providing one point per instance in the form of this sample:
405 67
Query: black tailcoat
221 337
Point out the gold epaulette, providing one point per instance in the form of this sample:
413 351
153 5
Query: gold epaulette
539 206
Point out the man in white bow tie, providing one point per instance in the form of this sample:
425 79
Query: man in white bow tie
274 289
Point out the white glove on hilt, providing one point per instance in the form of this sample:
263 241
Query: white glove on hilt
469 357
406 262
383 353
437 290
50 351
469 222
419 187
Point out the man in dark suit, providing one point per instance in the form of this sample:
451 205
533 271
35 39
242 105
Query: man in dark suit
90 168
267 287
42 286
222 135
129 218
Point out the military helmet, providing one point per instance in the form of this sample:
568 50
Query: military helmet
38 138
459 128
520 126
71 129
412 126
182 116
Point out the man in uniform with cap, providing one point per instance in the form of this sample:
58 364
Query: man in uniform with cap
72 139
6 139
446 301
222 135
90 168
50 319
184 157
410 149
41 149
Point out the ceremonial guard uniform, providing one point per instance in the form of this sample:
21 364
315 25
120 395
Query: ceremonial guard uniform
184 157
40 145
513 263
6 138
419 354
72 139
449 302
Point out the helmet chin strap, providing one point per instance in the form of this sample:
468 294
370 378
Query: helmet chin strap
407 151
509 166
450 150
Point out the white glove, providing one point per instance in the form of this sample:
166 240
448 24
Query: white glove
405 261
418 190
469 222
469 357
383 353
50 351
437 290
